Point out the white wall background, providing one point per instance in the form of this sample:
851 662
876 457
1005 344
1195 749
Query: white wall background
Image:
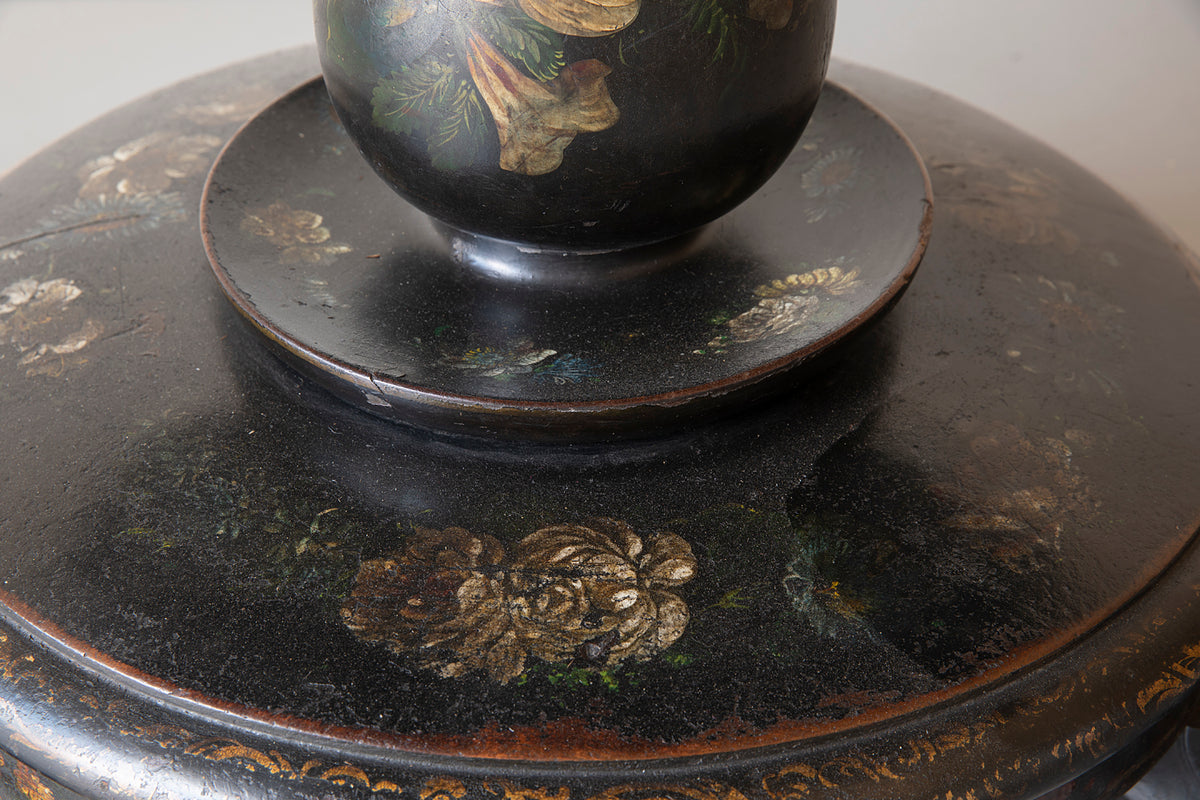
1113 83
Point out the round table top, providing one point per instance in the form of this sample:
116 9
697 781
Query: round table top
960 556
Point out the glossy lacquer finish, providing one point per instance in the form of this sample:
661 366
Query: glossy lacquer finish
957 563
575 125
409 321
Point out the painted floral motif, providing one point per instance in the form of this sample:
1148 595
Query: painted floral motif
582 17
537 120
1019 206
787 304
566 369
22 293
231 107
771 317
524 359
595 594
1063 307
492 363
148 165
825 181
718 24
107 216
122 194
509 60
299 234
827 603
874 530
1065 320
1043 491
834 280
30 320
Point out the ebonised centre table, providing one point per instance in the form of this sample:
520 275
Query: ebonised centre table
955 560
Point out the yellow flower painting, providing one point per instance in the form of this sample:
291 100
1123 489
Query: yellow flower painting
35 319
506 61
596 593
300 235
536 121
787 304
479 66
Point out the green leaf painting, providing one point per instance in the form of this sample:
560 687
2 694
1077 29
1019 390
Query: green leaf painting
718 25
433 100
488 81
529 43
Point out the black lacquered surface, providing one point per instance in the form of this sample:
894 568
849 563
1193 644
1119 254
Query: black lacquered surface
577 125
408 320
957 560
